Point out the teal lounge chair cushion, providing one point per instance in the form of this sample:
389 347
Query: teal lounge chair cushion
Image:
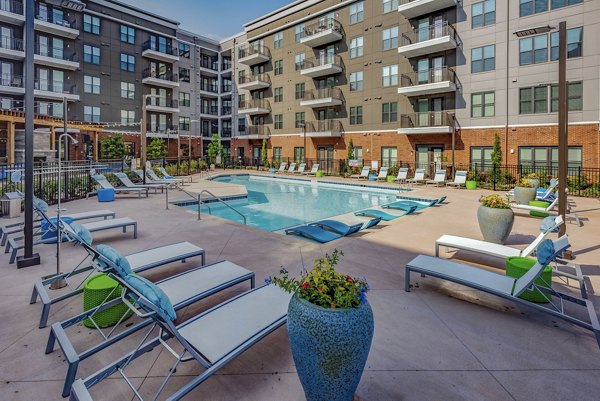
549 223
337 227
546 253
314 233
82 235
406 205
40 204
155 295
121 264
371 223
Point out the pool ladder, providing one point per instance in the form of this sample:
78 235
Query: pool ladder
201 202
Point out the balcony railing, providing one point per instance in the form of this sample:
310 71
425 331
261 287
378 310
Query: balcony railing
226 64
324 126
225 132
16 81
15 7
11 43
152 73
226 88
162 129
257 130
152 45
434 31
332 59
160 102
322 25
53 86
431 76
427 119
226 110
211 110
210 64
62 22
54 52
209 87
253 49
252 78
255 104
324 93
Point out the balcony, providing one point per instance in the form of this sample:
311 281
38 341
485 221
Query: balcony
255 132
326 97
151 77
12 12
12 84
322 66
161 131
55 57
322 32
211 88
431 122
226 89
432 39
430 82
254 82
54 90
58 27
211 65
415 8
11 48
226 111
210 110
163 105
323 129
154 51
255 107
226 133
255 54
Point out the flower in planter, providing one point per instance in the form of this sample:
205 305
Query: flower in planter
525 183
495 202
323 285
532 176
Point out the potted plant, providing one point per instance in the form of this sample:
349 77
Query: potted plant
472 178
330 327
534 179
495 218
524 192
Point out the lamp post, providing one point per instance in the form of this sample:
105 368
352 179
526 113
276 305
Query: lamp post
563 113
143 132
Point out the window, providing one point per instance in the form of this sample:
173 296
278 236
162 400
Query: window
127 34
91 54
483 59
278 67
389 156
483 104
300 91
242 124
299 122
277 153
481 156
357 12
127 117
91 24
356 47
574 97
184 50
390 38
91 84
564 3
127 62
390 75
356 115
390 5
184 99
241 100
184 123
389 112
91 114
299 32
483 13
184 74
547 156
356 81
298 155
278 118
278 95
533 100
533 50
127 90
574 43
299 60
278 40
358 154
528 7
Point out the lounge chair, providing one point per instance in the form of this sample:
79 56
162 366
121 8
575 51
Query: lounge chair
172 177
291 169
338 227
314 233
385 216
313 170
364 173
301 169
149 179
548 194
383 172
402 175
212 338
181 290
103 182
438 179
507 287
460 179
419 177
130 184
150 173
407 205
550 209
281 167
432 202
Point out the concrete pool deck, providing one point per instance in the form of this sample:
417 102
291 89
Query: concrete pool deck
440 341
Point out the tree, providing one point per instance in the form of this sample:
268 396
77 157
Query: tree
214 148
156 149
113 147
265 159
497 159
349 156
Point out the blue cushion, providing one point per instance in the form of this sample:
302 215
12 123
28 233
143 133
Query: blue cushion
548 223
546 252
153 294
81 233
40 204
120 264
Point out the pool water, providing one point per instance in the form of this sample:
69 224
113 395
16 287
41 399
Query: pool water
274 204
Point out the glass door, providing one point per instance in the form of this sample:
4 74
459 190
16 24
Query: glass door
7 73
42 12
7 37
437 69
436 105
58 46
423 30
438 27
423 112
423 71
325 158
43 79
256 155
43 46
430 158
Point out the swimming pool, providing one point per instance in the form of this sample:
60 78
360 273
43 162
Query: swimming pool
274 204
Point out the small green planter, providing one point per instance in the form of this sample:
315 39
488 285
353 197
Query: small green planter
391 178
471 185
320 174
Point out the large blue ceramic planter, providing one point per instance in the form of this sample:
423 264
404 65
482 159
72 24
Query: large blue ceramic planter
330 348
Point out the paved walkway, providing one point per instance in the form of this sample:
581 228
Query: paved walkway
438 342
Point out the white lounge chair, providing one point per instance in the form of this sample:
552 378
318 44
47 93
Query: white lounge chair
383 172
460 178
402 175
550 209
172 177
301 169
364 173
130 184
438 179
105 184
282 167
291 169
156 178
313 170
419 177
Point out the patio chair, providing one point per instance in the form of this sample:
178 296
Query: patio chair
551 209
460 179
171 177
510 288
364 173
314 233
292 168
139 262
149 179
313 170
402 175
549 193
156 178
338 227
383 172
105 184
282 167
181 290
419 177
385 216
212 338
438 179
432 202
130 184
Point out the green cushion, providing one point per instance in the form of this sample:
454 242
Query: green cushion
538 204
517 266
95 291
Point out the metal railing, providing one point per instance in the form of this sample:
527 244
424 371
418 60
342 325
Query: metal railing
431 76
433 31
154 46
11 80
252 49
209 87
324 93
53 86
255 104
54 52
211 110
11 6
324 126
322 24
312 62
161 102
427 119
60 22
210 64
215 197
152 73
11 43
246 79
256 130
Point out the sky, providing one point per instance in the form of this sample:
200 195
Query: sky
216 19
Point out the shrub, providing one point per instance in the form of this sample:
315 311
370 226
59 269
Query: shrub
495 202
393 171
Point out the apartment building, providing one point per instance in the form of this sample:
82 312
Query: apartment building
425 81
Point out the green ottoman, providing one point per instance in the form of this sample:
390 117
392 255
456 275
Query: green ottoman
517 266
538 204
95 290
